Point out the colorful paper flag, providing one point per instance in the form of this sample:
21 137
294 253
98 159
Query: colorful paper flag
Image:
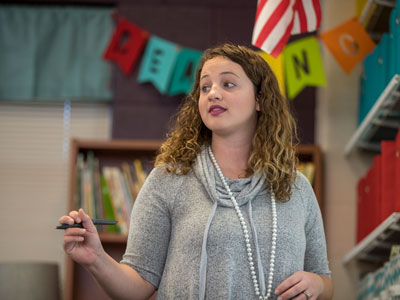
276 20
276 64
303 65
184 72
127 42
158 63
349 43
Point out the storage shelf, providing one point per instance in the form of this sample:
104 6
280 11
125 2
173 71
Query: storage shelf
374 17
382 121
113 238
375 248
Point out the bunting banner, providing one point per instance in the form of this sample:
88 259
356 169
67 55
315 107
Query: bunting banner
349 43
276 20
276 64
184 71
158 63
127 43
303 65
171 67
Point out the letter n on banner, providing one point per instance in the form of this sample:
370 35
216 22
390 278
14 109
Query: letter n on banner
303 65
158 63
184 72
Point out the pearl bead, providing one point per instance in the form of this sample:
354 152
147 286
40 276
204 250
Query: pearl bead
246 235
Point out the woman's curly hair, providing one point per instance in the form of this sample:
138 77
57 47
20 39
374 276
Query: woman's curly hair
273 149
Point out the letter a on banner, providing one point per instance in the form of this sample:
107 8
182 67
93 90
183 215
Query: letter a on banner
158 63
303 65
185 67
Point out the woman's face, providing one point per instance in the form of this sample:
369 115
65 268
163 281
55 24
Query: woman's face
227 102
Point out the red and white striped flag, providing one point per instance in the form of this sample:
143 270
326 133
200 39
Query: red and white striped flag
276 20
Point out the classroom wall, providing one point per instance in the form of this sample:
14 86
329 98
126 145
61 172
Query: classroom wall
34 172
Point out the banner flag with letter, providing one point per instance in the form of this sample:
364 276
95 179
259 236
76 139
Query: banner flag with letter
303 65
184 72
127 43
158 63
276 64
276 20
349 43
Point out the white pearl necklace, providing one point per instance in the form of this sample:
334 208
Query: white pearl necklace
247 238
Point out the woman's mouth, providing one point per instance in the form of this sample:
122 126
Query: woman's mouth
215 110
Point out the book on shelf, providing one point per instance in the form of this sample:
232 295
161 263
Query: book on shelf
99 201
379 190
388 179
308 170
87 186
120 209
108 192
107 206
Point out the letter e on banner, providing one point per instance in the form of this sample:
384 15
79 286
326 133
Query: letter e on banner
158 63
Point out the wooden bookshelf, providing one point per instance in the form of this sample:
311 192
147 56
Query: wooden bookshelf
313 153
79 285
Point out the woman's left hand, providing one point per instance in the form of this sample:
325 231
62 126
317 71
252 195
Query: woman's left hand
301 286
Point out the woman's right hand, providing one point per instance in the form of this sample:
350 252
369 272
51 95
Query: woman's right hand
83 245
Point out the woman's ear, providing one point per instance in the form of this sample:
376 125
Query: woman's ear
258 97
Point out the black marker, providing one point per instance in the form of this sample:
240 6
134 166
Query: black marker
79 225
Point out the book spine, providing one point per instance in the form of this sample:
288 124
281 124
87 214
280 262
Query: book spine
115 199
107 204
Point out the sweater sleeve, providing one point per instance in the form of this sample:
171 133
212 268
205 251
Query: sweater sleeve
315 259
150 227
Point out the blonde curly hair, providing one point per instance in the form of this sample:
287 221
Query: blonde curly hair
273 146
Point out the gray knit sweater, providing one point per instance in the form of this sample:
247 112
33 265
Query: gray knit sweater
185 237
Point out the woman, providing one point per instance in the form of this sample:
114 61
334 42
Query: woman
224 215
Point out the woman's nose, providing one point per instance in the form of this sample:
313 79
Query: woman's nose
215 93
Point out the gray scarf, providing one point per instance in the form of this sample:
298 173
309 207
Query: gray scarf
244 190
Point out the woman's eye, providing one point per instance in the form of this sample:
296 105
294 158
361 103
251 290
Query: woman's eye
205 88
229 84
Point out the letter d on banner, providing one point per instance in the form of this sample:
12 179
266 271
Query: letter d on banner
303 65
184 72
158 63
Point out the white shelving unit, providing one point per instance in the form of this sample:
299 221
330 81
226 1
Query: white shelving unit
382 121
370 254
